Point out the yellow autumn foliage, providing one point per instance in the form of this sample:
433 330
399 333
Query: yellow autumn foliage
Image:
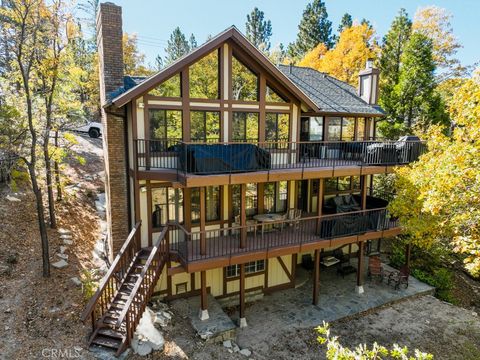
438 199
355 45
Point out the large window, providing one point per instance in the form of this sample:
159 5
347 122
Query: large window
168 88
361 129
245 126
250 268
244 82
205 126
167 205
203 77
251 199
342 184
277 127
348 129
275 197
165 124
212 203
334 129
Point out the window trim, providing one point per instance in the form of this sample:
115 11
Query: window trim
150 206
220 211
245 139
247 274
204 112
276 126
219 77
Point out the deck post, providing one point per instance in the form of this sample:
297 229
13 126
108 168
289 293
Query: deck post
243 320
316 277
408 250
203 313
321 195
363 186
203 214
243 215
361 248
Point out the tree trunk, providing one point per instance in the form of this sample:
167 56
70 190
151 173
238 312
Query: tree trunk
48 173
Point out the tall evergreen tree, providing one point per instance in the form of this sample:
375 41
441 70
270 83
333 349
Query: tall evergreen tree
192 42
346 22
177 46
393 46
314 28
416 102
259 30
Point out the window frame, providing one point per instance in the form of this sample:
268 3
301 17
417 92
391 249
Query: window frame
232 82
205 138
181 205
277 115
259 267
193 205
219 76
245 126
276 196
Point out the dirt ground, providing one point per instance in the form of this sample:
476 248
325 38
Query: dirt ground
38 314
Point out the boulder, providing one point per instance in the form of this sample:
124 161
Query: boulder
227 344
12 198
147 338
63 231
60 264
62 256
62 249
76 281
246 352
67 242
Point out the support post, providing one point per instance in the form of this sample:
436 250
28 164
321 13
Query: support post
203 214
408 250
321 195
359 287
243 320
316 277
363 185
203 313
243 215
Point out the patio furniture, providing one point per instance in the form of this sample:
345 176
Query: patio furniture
344 267
375 269
265 219
307 262
251 225
329 261
398 278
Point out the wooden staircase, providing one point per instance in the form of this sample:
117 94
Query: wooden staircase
118 304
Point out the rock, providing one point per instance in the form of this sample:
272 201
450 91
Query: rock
63 231
235 348
8 311
62 249
227 344
62 256
65 236
60 264
147 337
67 242
76 281
246 352
162 318
7 327
12 198
205 334
230 351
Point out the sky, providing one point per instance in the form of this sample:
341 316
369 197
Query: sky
153 21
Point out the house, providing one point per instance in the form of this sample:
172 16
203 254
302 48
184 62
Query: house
224 172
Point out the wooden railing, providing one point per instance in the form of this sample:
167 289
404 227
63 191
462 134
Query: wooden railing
226 242
144 286
113 279
234 157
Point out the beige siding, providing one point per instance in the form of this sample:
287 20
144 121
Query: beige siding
276 274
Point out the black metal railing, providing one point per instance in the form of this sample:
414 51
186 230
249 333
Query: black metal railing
234 157
220 243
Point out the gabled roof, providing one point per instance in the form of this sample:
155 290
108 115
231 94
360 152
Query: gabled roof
124 95
329 94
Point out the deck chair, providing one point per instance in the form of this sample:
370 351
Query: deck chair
375 269
251 225
399 278
280 226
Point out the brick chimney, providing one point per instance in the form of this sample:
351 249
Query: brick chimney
368 83
110 59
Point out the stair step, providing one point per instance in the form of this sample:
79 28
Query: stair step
107 332
107 342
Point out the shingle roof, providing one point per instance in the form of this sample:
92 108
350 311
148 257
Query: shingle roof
328 93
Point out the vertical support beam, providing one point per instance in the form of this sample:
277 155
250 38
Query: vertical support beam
149 212
363 193
203 213
408 250
203 313
185 104
316 277
321 195
262 118
243 320
261 198
243 215
359 287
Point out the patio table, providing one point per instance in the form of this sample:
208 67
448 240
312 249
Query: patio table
264 219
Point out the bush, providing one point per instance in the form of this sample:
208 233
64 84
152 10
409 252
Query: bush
441 279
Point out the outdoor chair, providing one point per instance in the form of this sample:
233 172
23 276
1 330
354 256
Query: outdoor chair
343 267
375 269
251 225
294 216
280 225
307 262
398 278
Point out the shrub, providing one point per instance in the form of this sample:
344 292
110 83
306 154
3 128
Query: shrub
441 279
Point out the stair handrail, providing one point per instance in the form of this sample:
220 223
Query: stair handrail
90 307
142 277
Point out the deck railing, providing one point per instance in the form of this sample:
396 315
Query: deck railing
225 242
233 157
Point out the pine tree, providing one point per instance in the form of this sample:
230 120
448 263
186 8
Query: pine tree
314 28
177 46
393 46
258 30
416 102
346 22
192 42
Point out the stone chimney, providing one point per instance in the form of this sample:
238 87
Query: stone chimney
110 59
368 83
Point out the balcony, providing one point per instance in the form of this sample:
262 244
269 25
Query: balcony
221 247
183 159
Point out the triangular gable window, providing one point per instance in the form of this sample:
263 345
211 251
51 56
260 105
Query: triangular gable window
168 88
272 96
244 82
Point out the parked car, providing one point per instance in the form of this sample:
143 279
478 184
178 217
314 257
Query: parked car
93 129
